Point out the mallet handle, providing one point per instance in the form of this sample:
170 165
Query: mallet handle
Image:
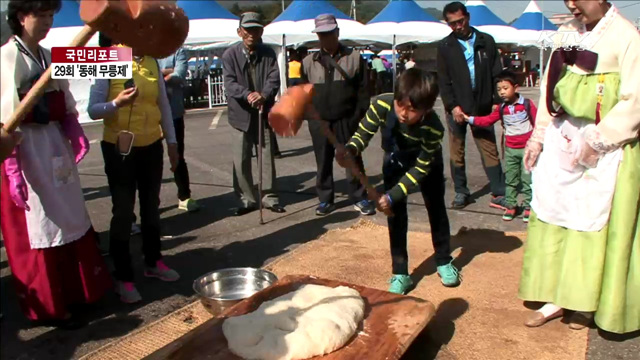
355 169
32 97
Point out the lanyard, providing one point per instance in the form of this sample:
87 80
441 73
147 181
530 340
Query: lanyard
42 62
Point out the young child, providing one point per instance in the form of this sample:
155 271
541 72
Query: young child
412 142
517 115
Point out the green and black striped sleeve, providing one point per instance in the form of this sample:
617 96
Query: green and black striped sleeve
431 135
373 119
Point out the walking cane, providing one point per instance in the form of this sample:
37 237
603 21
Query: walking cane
260 144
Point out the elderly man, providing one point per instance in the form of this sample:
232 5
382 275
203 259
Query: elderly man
341 98
251 80
174 68
468 62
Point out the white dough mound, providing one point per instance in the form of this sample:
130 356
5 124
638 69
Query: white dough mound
313 320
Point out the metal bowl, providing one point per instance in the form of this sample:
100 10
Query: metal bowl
219 290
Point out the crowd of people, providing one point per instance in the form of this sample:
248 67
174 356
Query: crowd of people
575 157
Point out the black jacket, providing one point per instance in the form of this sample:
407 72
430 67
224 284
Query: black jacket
454 78
235 68
336 98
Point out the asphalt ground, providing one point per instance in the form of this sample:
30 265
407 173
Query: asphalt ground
213 238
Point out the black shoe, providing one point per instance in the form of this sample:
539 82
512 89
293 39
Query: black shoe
243 210
460 202
325 209
276 208
365 207
278 155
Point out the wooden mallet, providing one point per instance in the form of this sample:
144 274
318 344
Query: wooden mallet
286 119
152 27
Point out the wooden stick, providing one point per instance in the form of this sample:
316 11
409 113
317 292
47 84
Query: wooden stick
260 144
355 169
36 91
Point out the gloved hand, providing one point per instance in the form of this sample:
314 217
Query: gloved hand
531 152
533 148
582 153
17 185
73 131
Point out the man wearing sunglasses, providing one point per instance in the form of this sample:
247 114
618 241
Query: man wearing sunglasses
468 62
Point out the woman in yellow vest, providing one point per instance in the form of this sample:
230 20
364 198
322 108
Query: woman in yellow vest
137 116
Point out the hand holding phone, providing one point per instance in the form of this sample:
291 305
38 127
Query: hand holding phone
126 97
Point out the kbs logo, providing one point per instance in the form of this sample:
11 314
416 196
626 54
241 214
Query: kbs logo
91 63
552 40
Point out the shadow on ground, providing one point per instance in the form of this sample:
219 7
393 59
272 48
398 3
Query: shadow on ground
432 341
472 243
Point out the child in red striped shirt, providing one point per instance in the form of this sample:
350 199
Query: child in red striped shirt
517 115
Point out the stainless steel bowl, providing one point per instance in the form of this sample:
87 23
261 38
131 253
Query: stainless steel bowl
219 290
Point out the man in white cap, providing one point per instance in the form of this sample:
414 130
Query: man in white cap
341 97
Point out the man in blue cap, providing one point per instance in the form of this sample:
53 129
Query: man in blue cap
341 97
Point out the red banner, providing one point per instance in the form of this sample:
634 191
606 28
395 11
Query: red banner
90 54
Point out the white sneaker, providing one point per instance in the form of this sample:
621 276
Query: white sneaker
135 229
128 292
189 205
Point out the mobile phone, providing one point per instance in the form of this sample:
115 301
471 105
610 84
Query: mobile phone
129 84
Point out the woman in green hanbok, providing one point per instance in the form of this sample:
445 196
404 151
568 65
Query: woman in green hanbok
583 245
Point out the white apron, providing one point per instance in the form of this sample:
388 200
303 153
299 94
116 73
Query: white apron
579 198
58 214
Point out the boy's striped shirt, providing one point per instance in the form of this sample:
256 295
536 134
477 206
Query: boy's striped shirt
425 136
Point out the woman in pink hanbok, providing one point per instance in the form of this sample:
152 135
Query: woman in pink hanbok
50 242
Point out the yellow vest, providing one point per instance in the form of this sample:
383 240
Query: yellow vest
144 118
294 69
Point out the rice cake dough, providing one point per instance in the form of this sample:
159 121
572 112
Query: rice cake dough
313 320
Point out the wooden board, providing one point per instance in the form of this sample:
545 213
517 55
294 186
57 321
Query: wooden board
391 324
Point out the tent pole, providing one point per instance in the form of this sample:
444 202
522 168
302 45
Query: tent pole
393 71
542 45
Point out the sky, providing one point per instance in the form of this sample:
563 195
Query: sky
511 9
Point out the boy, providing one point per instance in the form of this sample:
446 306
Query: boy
517 115
412 141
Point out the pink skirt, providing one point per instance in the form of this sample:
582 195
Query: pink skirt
48 280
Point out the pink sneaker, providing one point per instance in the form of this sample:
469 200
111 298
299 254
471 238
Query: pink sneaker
128 292
162 272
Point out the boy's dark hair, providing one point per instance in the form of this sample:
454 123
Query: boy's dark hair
104 40
454 7
28 7
507 76
420 87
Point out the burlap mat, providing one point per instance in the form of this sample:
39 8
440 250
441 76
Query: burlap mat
154 336
480 319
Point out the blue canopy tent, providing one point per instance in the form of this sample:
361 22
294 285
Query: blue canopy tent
398 11
209 22
486 21
295 24
481 15
304 10
205 9
531 25
403 21
533 19
69 15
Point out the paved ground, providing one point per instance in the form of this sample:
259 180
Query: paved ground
211 239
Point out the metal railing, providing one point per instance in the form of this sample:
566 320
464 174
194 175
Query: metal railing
216 92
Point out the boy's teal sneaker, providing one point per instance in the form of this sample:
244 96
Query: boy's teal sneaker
449 275
400 284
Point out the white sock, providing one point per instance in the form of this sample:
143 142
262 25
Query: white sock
549 309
